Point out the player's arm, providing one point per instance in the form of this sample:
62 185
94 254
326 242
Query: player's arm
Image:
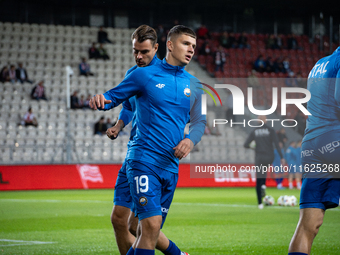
196 128
132 85
250 138
277 146
337 85
125 116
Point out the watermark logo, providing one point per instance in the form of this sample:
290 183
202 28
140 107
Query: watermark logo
204 97
239 104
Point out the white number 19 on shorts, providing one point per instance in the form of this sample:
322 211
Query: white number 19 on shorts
142 183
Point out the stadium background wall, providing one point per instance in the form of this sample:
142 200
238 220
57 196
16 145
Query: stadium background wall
44 177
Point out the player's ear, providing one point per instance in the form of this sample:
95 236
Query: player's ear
156 46
169 45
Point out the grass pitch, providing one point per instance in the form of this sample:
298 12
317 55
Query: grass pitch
201 221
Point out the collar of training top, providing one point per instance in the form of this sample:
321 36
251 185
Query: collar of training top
172 68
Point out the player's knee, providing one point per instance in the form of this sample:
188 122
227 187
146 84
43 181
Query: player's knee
152 225
313 227
133 223
118 220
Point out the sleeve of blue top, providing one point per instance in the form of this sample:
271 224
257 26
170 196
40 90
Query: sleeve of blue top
197 120
337 84
132 85
126 112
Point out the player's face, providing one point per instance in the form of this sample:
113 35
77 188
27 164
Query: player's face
143 52
182 49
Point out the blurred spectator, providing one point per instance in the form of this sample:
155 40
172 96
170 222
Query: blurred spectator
260 64
109 123
86 104
93 52
82 101
224 40
38 92
220 59
207 130
162 47
232 41
205 49
102 36
160 31
279 41
272 42
301 120
230 112
278 65
102 52
100 127
75 100
4 74
12 74
281 135
292 43
290 80
84 68
286 65
300 81
29 119
22 74
243 41
253 80
277 165
202 32
270 65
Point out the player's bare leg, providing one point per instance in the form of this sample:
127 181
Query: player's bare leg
119 220
290 180
162 241
308 226
298 180
133 223
149 232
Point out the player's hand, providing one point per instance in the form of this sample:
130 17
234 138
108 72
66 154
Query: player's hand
183 148
283 161
113 132
98 101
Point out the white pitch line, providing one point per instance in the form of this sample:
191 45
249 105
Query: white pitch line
175 203
21 242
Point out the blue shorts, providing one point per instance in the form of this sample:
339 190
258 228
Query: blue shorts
152 189
321 186
320 193
122 195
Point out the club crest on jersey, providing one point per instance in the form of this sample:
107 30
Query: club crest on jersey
187 92
143 201
160 85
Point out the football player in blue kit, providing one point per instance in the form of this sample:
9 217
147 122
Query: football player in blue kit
144 44
167 98
320 152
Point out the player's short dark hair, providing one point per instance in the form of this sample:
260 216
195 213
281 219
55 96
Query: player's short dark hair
143 33
180 30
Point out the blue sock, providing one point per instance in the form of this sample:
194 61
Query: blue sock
297 253
280 180
144 252
172 249
131 251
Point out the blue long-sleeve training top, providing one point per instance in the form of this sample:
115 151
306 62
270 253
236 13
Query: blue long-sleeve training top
324 105
167 98
128 112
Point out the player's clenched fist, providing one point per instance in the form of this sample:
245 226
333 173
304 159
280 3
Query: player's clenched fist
113 132
183 148
98 101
